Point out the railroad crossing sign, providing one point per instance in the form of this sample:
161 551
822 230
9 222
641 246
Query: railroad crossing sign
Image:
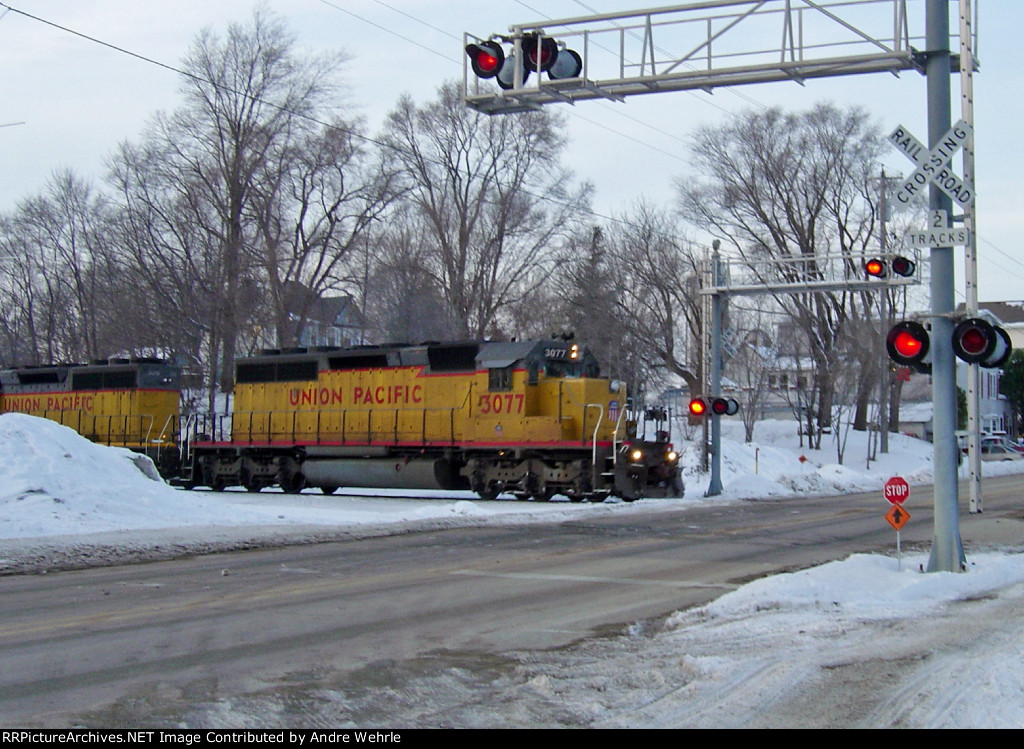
939 233
897 490
933 166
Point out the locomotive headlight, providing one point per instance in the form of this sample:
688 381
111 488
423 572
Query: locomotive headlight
637 455
574 351
671 455
614 386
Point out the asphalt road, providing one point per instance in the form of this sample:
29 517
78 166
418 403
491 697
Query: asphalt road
139 644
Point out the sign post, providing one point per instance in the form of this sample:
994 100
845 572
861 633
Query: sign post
896 491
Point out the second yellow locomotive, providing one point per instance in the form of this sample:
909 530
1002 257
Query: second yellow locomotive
533 418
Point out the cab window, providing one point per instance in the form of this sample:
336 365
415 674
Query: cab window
499 378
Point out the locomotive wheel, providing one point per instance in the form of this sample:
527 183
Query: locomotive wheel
292 483
246 480
329 489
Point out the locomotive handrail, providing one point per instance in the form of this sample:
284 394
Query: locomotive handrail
593 447
615 436
167 425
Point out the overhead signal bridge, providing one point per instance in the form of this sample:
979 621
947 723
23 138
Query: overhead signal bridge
700 45
812 273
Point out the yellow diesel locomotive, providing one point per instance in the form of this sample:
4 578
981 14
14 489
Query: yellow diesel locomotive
533 418
129 403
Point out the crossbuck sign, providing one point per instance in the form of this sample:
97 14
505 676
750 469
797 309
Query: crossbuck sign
933 165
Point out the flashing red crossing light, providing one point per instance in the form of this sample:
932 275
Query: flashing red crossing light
540 52
907 344
903 266
486 58
875 267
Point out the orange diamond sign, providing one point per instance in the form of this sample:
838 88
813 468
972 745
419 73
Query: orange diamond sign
897 517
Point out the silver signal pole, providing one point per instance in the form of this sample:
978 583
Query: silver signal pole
947 554
970 256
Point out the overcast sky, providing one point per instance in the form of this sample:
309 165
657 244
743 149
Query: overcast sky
67 101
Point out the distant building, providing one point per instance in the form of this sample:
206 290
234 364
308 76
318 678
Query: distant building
322 320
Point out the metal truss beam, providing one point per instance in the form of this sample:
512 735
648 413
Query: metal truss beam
706 45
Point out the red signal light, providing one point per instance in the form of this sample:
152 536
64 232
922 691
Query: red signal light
875 267
701 407
907 344
725 406
486 58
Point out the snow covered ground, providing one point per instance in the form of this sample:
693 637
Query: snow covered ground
800 649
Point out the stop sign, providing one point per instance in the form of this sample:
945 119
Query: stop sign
897 490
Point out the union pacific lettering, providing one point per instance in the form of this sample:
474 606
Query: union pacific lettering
386 395
49 402
314 396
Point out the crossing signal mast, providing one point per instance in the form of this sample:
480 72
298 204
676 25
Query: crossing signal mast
697 49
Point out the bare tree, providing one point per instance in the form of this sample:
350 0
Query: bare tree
317 199
795 187
586 299
492 198
402 300
61 289
753 358
658 272
201 189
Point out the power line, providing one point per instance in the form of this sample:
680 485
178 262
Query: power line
314 120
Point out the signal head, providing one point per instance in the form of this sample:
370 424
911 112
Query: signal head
976 341
568 64
907 343
539 51
698 407
875 267
725 406
903 266
486 58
